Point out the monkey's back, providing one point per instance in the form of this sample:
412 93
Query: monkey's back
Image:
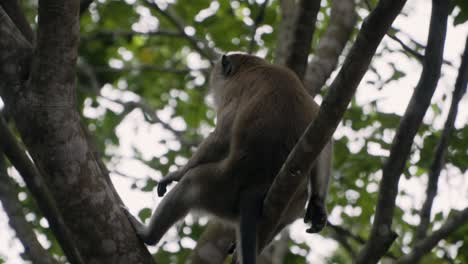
277 109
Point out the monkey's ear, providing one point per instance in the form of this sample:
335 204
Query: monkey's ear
227 65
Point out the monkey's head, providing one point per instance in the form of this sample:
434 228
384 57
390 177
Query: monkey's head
229 73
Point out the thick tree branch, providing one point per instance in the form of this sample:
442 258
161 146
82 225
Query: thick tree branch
214 244
425 245
304 29
13 208
382 236
285 30
41 193
46 117
441 149
331 111
13 9
342 21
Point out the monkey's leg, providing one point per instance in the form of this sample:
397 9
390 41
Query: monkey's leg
213 148
316 212
250 213
199 185
172 208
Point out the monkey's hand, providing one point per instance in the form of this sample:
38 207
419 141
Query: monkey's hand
316 215
162 184
140 229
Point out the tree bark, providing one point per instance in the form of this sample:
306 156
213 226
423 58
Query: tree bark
44 109
331 111
439 155
382 236
343 18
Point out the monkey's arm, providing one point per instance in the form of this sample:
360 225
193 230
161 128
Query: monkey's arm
214 148
316 212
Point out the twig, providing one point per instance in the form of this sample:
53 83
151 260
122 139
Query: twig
199 45
339 230
382 236
439 156
129 33
258 20
146 67
425 245
407 48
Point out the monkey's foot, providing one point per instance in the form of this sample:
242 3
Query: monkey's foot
164 182
316 215
232 248
162 186
140 229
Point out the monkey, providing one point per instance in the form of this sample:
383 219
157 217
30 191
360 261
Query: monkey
262 110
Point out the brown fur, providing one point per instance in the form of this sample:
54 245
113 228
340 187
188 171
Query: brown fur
262 110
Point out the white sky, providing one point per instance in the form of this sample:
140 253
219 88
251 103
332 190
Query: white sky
453 190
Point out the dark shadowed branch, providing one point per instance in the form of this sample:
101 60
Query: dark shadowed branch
424 246
13 9
13 208
84 5
258 20
441 149
304 28
342 21
382 236
39 190
331 111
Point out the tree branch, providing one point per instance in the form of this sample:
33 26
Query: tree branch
214 244
382 236
342 20
24 231
84 5
425 245
128 34
258 20
13 9
41 193
331 111
46 117
147 67
304 29
285 30
199 45
441 149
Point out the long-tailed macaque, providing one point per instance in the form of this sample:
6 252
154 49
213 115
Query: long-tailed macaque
262 110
